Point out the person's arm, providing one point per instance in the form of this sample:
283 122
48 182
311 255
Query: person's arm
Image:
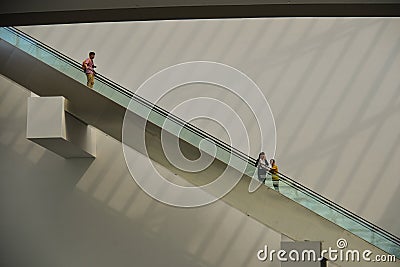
274 169
93 66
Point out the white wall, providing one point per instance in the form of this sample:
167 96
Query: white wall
83 212
333 86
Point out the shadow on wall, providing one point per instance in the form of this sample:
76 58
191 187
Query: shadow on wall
13 110
79 214
85 212
199 236
48 170
48 221
338 136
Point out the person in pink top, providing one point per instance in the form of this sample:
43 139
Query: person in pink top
88 66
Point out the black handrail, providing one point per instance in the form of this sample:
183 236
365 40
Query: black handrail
303 189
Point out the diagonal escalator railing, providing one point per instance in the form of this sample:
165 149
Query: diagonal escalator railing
288 187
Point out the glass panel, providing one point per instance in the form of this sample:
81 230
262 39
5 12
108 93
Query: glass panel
287 187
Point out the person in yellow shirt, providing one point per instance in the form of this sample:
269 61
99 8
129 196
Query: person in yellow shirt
274 173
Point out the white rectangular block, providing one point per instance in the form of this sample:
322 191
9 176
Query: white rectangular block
51 127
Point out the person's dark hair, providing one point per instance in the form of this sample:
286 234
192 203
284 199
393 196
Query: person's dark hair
272 161
92 53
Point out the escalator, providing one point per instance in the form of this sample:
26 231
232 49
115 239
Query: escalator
295 211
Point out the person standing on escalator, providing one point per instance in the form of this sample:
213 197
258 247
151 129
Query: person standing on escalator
262 165
274 174
88 67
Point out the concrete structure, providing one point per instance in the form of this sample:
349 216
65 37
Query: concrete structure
71 226
51 127
332 85
281 214
25 12
85 212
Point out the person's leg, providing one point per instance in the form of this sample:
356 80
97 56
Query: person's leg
90 80
276 184
261 176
